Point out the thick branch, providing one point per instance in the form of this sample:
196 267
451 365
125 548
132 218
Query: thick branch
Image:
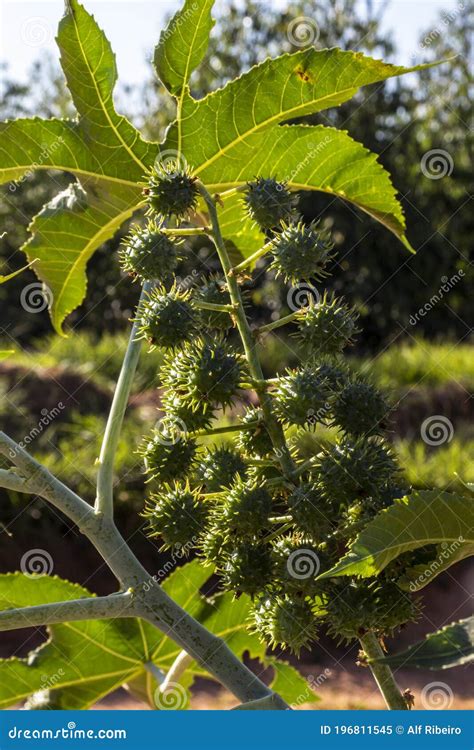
93 608
105 476
39 480
383 674
11 481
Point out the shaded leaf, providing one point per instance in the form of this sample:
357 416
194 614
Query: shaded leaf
449 647
422 518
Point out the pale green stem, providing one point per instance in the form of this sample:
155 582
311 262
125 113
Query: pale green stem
214 307
279 323
273 427
105 477
382 673
235 270
186 231
150 601
175 672
94 608
223 430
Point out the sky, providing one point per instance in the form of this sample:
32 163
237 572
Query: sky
27 28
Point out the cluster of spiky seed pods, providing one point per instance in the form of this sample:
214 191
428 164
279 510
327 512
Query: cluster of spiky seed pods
268 531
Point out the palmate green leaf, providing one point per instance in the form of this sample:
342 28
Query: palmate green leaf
93 655
231 135
104 151
83 661
66 233
290 684
452 646
422 518
183 44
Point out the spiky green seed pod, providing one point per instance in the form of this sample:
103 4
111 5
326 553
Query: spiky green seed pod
302 398
360 409
255 441
301 253
176 514
248 568
191 415
216 543
358 514
355 469
326 327
371 604
168 319
285 621
219 467
246 508
149 254
204 370
214 291
311 511
297 562
167 454
172 191
269 202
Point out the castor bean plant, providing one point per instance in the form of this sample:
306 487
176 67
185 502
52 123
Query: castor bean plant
300 544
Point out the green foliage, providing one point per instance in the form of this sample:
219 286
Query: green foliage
116 164
411 522
449 647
